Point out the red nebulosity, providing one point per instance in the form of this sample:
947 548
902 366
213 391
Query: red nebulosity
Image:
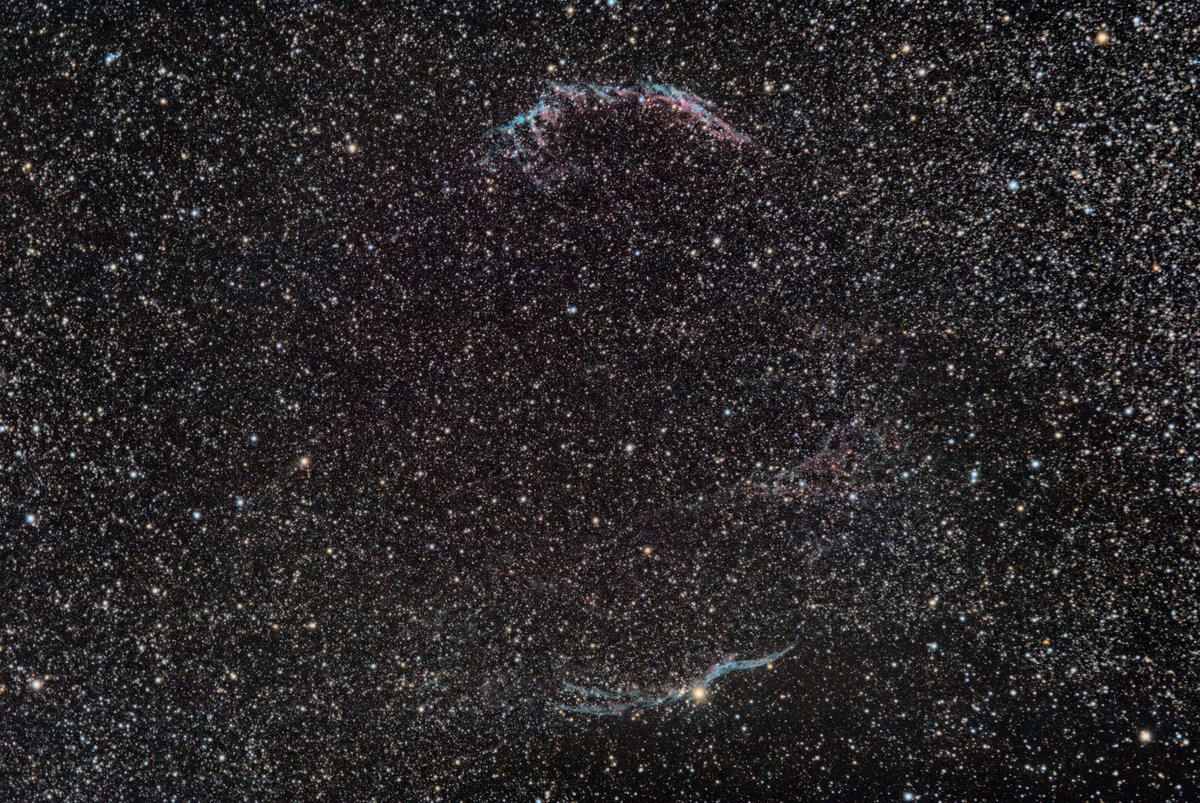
532 124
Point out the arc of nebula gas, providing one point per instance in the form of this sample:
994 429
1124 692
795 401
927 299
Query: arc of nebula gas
603 702
526 131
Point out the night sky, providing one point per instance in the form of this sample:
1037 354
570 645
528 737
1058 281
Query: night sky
620 401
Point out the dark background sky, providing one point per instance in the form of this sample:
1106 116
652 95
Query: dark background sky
337 439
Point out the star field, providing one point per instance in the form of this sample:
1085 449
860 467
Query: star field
599 401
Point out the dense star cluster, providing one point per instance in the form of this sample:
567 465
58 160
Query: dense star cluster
610 400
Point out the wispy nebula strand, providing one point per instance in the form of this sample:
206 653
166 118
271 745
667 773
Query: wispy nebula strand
602 702
525 132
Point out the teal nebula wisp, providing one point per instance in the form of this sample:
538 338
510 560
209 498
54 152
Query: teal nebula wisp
603 702
524 134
